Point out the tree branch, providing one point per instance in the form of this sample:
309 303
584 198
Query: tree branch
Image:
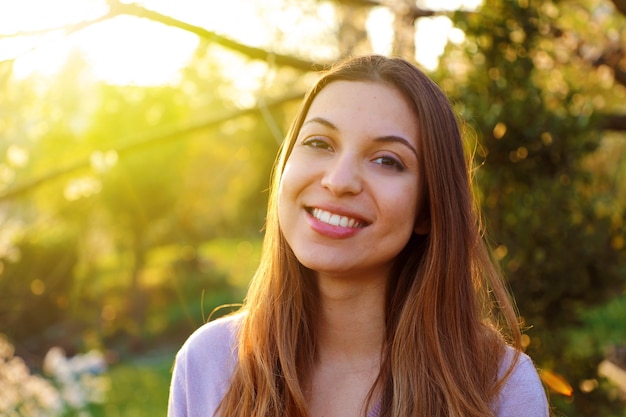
74 27
249 51
68 29
148 139
366 3
413 12
615 122
620 5
612 57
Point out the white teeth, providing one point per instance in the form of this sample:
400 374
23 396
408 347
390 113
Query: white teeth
334 219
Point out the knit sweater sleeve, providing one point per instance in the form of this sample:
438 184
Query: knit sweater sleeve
523 394
203 368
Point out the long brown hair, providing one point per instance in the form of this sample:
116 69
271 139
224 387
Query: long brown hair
447 308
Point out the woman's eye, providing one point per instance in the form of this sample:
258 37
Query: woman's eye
316 143
390 162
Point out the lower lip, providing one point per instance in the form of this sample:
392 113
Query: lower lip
328 230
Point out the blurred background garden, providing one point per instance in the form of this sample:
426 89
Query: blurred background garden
137 140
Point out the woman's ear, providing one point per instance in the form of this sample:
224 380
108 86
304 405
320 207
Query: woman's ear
422 219
422 225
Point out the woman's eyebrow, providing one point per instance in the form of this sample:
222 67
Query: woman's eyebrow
321 121
397 139
384 139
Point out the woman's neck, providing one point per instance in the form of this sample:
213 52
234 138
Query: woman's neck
350 334
351 324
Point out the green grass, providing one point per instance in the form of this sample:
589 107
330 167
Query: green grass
139 388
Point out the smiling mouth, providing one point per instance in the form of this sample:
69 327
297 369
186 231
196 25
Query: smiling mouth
335 219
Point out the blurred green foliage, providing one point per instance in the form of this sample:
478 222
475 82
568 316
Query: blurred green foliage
121 249
554 212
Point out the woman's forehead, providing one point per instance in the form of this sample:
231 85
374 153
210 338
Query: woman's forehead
370 104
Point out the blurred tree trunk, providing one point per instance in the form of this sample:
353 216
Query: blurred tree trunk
353 38
404 29
137 297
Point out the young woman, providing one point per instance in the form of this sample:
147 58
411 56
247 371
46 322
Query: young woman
375 295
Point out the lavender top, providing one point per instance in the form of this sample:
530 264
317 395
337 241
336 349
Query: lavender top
205 363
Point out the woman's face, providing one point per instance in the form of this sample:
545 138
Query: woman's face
350 193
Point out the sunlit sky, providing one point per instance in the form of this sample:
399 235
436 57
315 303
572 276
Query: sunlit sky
128 50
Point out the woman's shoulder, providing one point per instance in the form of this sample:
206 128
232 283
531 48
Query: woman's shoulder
213 346
213 341
211 349
523 366
203 367
522 393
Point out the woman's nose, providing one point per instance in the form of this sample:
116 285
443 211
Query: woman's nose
343 175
